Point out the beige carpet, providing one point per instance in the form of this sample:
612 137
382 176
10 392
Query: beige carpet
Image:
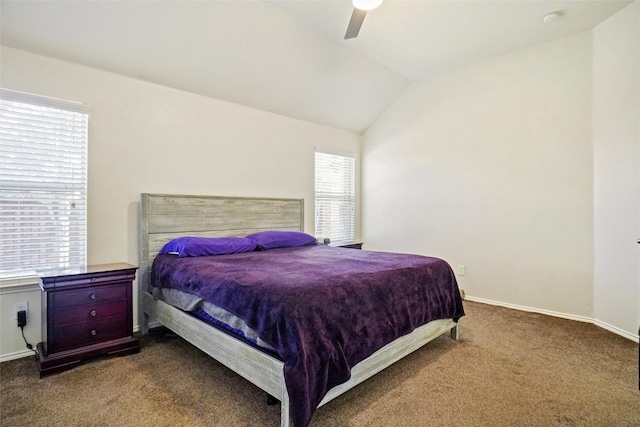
509 368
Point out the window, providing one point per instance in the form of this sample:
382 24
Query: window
335 198
43 183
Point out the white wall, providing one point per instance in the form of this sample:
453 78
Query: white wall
616 131
525 169
491 166
148 138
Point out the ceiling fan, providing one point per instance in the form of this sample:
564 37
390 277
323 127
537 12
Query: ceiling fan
360 8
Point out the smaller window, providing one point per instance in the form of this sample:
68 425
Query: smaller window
335 198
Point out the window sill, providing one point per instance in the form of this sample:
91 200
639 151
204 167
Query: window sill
24 281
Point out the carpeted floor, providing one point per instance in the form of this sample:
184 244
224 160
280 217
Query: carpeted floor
509 368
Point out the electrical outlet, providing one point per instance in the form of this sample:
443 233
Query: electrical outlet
461 270
20 306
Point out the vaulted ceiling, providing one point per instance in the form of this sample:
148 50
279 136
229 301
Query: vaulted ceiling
290 57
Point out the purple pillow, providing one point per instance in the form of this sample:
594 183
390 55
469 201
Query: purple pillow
272 239
201 246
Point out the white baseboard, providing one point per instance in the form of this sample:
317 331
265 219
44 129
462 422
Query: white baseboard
16 355
615 330
152 324
26 352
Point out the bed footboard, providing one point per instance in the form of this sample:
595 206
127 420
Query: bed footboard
393 352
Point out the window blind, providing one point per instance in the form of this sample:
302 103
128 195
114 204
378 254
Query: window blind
335 197
43 183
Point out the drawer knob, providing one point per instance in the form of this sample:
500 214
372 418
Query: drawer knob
92 297
93 313
93 332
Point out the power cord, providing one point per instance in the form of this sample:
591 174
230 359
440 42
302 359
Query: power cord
29 346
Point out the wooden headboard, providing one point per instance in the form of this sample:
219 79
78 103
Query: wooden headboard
166 216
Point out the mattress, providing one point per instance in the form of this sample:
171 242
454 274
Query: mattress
212 314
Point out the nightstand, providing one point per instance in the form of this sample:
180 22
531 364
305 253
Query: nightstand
352 246
87 312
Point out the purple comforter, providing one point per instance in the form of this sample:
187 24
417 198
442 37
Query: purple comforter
323 309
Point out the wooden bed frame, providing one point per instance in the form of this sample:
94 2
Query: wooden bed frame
164 217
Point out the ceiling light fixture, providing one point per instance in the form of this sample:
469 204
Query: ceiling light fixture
552 17
366 4
360 8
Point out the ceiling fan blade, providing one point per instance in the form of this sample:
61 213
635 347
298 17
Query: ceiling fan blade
355 23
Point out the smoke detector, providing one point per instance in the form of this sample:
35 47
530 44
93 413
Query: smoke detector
552 17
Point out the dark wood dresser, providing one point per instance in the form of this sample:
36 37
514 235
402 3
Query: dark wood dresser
86 312
352 245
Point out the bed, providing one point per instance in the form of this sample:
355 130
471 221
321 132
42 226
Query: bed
167 217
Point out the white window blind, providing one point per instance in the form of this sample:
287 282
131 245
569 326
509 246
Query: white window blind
43 183
335 198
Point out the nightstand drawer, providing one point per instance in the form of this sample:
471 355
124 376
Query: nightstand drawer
87 333
91 295
90 313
